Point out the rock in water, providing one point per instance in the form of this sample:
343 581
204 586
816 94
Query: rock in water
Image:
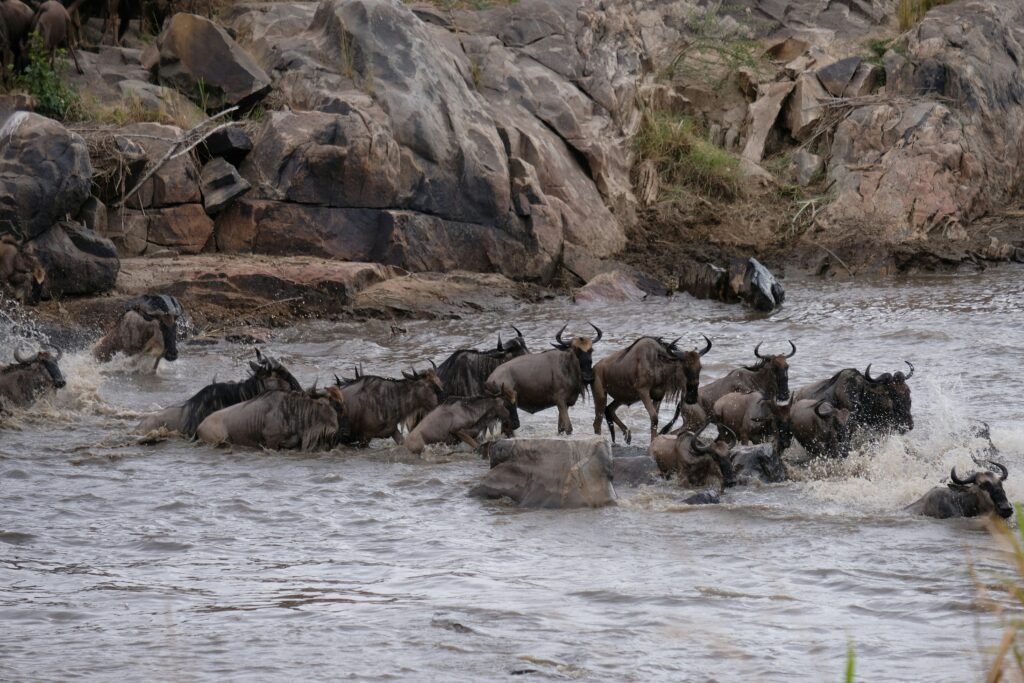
635 471
550 473
77 260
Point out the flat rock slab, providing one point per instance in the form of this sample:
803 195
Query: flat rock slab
550 473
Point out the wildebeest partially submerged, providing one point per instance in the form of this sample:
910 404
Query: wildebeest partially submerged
694 463
553 378
281 420
466 419
378 407
649 370
148 328
267 375
29 377
980 494
465 372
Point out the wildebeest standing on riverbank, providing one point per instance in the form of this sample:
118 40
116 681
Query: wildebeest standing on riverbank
148 328
31 376
465 372
378 407
554 378
466 419
648 370
267 375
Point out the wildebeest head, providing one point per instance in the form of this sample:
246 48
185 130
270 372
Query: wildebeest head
428 378
898 394
274 376
778 367
47 359
782 422
838 420
165 310
516 346
718 451
583 348
986 484
691 368
506 411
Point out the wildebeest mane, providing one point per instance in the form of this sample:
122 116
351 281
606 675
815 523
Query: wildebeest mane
464 372
218 395
386 399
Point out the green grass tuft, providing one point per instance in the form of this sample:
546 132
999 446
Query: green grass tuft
684 158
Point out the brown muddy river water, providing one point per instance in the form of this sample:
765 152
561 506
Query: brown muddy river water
182 562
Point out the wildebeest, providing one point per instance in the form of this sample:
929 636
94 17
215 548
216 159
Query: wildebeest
280 420
465 372
379 406
980 494
31 376
694 463
267 375
553 378
148 328
648 370
770 376
756 418
21 271
16 17
821 428
757 463
875 403
466 419
53 23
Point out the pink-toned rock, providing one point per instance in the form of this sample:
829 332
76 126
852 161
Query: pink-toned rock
175 182
761 117
184 228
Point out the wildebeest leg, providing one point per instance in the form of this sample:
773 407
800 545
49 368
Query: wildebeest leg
564 424
600 409
613 419
652 410
470 441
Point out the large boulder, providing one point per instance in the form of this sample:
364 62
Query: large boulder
77 260
199 59
175 182
45 173
221 184
550 473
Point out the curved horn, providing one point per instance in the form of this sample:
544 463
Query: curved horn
817 410
432 364
960 482
558 337
724 430
706 348
697 446
792 346
337 380
259 356
911 373
674 342
54 351
867 375
596 329
23 354
1003 473
518 333
757 350
499 341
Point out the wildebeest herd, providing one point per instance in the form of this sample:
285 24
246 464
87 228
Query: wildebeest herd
475 393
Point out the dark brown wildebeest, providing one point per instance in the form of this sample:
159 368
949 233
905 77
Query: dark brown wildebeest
549 379
821 428
465 372
980 494
280 420
21 271
267 375
16 17
694 463
875 403
31 376
148 328
53 23
466 419
770 376
648 370
756 418
379 406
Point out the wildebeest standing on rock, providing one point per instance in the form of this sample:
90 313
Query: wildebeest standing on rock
53 23
267 375
466 419
694 463
980 494
465 372
281 420
554 378
148 328
648 370
31 376
20 270
379 406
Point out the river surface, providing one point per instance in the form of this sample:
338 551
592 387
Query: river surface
175 561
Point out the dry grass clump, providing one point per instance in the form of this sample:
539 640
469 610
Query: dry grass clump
909 12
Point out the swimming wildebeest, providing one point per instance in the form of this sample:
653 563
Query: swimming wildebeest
648 370
267 375
821 429
770 376
21 271
29 377
379 406
280 420
148 328
465 372
553 378
875 403
756 418
694 463
466 419
980 494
